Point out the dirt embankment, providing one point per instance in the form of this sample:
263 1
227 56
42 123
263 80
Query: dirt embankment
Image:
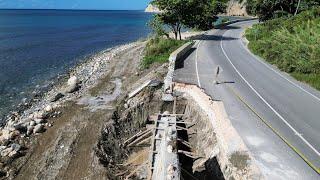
68 149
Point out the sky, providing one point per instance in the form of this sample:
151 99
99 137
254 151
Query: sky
75 4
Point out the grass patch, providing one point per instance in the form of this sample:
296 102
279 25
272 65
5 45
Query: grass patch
158 50
292 44
312 79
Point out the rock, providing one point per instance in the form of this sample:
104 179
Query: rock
166 113
10 151
154 83
5 134
38 128
32 123
48 109
57 97
13 154
169 149
2 148
72 85
126 106
31 116
38 121
6 152
40 115
4 141
24 100
10 123
14 134
30 130
171 169
152 9
15 147
21 127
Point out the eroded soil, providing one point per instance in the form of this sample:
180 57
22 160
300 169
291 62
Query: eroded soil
67 150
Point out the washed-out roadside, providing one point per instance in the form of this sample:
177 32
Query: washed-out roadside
91 129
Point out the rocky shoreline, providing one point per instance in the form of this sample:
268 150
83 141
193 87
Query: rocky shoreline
21 127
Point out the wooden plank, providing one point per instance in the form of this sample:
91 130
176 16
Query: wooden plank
140 138
136 136
133 172
144 141
139 89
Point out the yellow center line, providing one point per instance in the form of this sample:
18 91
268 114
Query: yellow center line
296 150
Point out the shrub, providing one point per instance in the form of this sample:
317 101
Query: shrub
158 50
290 43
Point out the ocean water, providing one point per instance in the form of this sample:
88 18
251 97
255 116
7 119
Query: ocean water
38 45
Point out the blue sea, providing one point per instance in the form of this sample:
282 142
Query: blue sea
38 45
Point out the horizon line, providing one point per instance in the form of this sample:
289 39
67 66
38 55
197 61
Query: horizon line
72 9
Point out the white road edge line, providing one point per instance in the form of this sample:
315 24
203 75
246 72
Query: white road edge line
265 64
286 122
197 72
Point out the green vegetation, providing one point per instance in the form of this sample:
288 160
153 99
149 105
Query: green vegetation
292 44
270 9
312 79
158 50
225 20
176 14
198 14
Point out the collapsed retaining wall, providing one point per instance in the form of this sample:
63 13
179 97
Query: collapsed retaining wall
225 145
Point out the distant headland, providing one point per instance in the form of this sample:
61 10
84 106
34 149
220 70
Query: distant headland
152 9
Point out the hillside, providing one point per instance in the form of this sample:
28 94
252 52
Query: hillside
236 8
292 44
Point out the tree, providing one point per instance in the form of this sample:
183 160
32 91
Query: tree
205 13
269 9
156 25
173 12
199 14
297 8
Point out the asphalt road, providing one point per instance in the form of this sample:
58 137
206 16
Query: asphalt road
290 107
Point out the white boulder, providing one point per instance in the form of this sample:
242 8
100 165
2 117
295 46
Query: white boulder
72 84
39 115
48 108
38 128
72 80
38 121
32 123
6 152
30 130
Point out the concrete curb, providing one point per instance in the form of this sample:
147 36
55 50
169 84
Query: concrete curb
228 139
168 81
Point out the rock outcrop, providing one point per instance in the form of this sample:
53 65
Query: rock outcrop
152 9
237 8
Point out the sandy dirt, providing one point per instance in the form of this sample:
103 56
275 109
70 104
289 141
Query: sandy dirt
66 151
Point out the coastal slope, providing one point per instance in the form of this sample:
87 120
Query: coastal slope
67 150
